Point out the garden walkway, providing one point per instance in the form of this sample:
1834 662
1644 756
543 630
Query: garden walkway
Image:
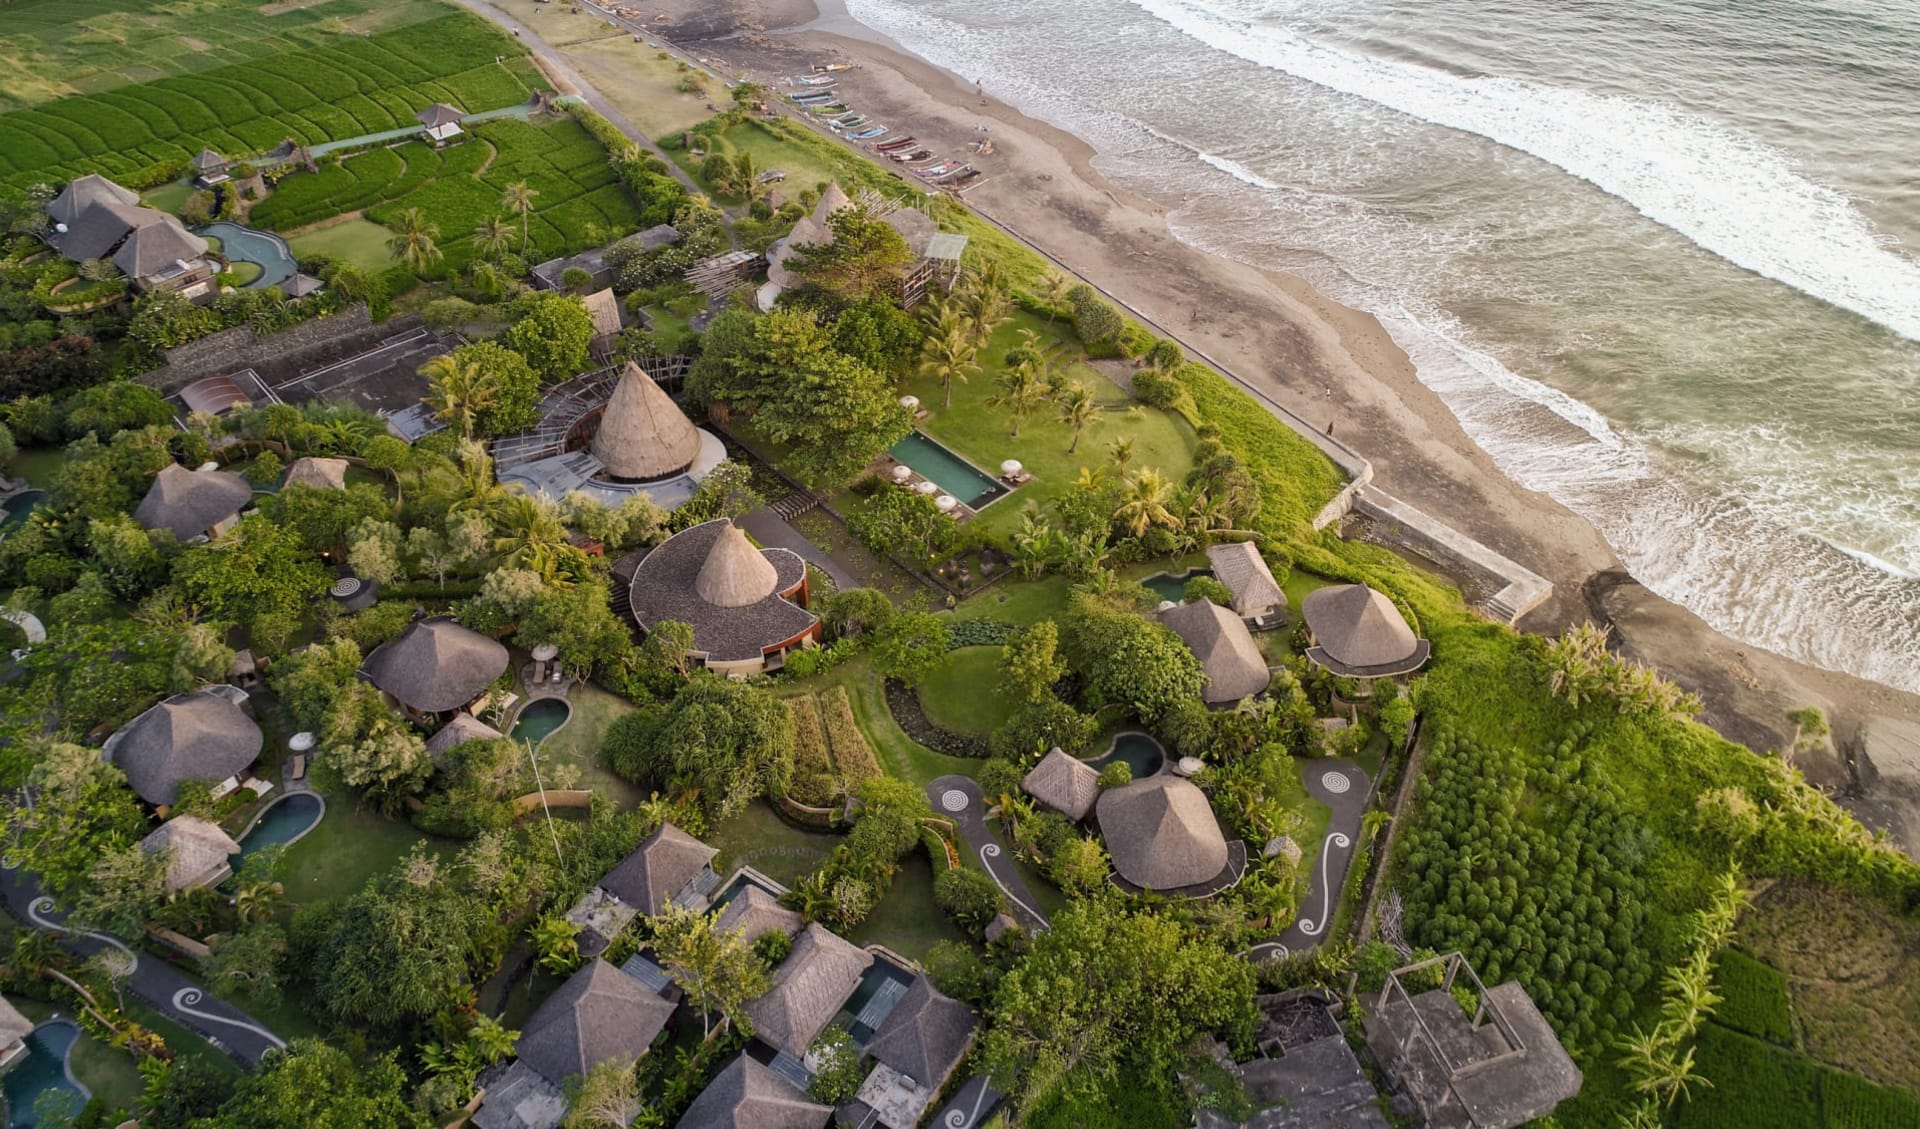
153 982
521 111
960 798
1341 785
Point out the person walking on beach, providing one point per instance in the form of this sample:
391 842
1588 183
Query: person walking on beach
1329 429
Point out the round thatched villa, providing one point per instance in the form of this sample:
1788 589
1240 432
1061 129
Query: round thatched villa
1358 633
747 606
1163 837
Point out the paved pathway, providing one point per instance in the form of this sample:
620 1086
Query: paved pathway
154 982
1342 786
772 531
959 798
972 1104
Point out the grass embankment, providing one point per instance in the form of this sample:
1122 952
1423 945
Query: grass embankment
641 84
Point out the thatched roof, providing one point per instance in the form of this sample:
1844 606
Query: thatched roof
1161 833
808 988
672 582
188 503
1219 639
805 233
747 1095
83 192
153 248
206 160
1064 783
439 114
754 913
463 728
643 434
833 198
599 1014
604 309
199 735
13 1026
657 870
1358 631
735 573
924 1035
199 851
321 474
436 665
1244 571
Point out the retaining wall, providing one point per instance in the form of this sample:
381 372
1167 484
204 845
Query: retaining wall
277 354
1516 589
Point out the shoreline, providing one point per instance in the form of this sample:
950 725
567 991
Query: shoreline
1321 361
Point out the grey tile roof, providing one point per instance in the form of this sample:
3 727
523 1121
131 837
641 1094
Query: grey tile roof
808 989
1161 833
199 735
439 114
1064 783
599 1014
188 503
1240 567
1219 639
206 160
436 665
519 1098
666 586
100 228
747 1095
83 192
658 869
924 1035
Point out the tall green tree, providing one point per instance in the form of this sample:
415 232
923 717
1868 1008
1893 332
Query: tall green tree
518 197
259 575
865 261
947 356
1033 662
553 336
81 811
716 969
313 1085
729 741
491 237
1077 408
911 646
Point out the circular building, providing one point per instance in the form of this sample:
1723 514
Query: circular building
1163 837
747 606
1357 632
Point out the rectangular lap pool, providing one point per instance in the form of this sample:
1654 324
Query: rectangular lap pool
974 487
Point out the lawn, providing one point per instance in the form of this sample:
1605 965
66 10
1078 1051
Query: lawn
640 84
805 168
1018 601
245 271
759 838
360 242
577 743
907 920
169 197
964 694
349 845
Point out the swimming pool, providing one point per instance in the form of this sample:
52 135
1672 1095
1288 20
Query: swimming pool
244 244
44 1071
1170 587
1142 753
974 487
20 505
285 820
539 719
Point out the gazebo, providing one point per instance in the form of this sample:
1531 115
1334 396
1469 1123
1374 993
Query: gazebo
747 606
1357 632
1219 639
441 122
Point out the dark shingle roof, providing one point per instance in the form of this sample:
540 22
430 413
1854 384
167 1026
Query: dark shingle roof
747 1095
188 503
100 228
598 1015
83 192
808 988
666 586
154 247
924 1035
207 160
658 868
198 735
436 665
439 114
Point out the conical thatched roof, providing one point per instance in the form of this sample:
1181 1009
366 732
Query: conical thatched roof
643 433
747 1095
601 1014
188 503
1357 627
1161 833
604 309
832 199
1064 783
753 913
321 474
1219 639
808 988
199 851
199 735
735 574
436 665
1244 571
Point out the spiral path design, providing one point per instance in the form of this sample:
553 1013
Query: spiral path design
953 800
1336 782
185 999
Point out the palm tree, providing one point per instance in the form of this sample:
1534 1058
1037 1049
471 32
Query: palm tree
748 175
1143 504
413 241
457 391
1055 290
1120 454
1091 478
529 534
1020 392
519 198
490 238
1078 410
950 357
988 307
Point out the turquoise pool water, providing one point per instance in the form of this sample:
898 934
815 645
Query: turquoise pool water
1141 752
953 474
244 244
43 1071
285 820
540 718
1170 587
20 505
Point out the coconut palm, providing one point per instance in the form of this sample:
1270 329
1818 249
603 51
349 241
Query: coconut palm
529 534
1021 391
1055 290
1143 503
747 177
458 391
1120 454
491 237
519 198
987 305
413 240
1091 478
948 356
1077 408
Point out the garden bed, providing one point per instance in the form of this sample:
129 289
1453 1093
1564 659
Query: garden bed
904 704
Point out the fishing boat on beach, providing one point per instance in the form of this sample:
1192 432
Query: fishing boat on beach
843 119
939 170
829 108
894 146
867 134
815 79
905 158
810 99
841 127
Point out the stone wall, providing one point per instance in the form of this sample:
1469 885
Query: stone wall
279 354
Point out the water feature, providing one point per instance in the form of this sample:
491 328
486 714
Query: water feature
1142 753
20 505
1170 587
244 244
43 1071
974 487
285 820
540 718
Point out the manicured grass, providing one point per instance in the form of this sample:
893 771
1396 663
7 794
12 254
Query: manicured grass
1753 998
360 242
640 84
907 920
577 743
964 695
245 271
1018 601
759 838
805 167
349 845
168 197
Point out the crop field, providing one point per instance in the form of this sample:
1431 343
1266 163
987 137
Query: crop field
56 48
1754 998
457 188
1750 1085
358 85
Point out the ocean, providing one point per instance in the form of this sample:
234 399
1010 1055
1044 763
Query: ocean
1658 257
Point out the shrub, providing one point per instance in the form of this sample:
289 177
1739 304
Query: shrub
856 612
999 777
1097 323
1209 589
1042 725
772 947
970 897
1116 775
959 972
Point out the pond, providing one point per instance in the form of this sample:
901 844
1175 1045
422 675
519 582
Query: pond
1170 587
539 718
1142 753
44 1071
19 506
244 244
284 821
951 473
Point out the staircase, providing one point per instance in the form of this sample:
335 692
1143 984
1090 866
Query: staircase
795 504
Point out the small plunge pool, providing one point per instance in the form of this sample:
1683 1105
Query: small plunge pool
1142 753
1170 587
539 718
44 1071
285 820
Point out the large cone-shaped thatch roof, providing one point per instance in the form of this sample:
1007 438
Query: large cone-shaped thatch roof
436 665
643 433
194 736
832 199
188 503
736 574
1162 833
1359 631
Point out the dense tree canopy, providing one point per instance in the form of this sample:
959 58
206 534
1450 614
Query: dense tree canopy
1128 659
259 576
862 264
553 336
312 1085
727 740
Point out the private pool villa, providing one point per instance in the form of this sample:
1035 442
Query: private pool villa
942 471
540 719
45 1070
1141 753
266 251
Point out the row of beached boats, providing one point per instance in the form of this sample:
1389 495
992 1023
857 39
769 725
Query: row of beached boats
818 95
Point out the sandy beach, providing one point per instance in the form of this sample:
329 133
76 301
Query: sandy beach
1327 363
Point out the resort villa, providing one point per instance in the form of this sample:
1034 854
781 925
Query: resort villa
199 735
748 1095
435 668
94 218
193 503
1257 596
1064 783
198 852
671 868
747 606
929 249
819 974
320 474
210 168
1163 837
1357 632
1227 654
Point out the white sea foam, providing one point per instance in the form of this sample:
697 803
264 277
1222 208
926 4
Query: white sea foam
1727 192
